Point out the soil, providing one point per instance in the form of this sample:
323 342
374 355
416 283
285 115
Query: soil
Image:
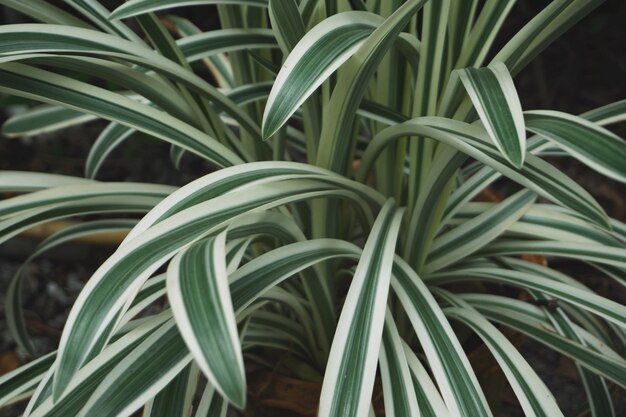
583 70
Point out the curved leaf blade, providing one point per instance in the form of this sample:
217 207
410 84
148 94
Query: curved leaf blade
591 144
494 97
318 54
197 286
351 367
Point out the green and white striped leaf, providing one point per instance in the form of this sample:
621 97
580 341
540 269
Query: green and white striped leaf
43 119
109 139
318 54
41 85
449 364
93 10
27 181
205 44
44 11
478 232
536 174
351 367
582 298
23 380
591 144
13 301
398 391
140 375
92 374
591 252
138 257
612 367
428 397
177 397
61 40
137 7
211 404
197 287
494 97
544 222
534 396
287 23
71 193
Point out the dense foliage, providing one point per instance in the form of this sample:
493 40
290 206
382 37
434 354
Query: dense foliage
338 227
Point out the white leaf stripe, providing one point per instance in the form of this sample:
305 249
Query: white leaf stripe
610 310
24 378
534 396
125 271
140 375
610 367
398 391
428 397
492 91
351 366
449 364
43 119
45 86
136 7
536 174
318 54
588 142
197 287
479 231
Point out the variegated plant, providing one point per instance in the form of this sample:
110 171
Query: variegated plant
348 147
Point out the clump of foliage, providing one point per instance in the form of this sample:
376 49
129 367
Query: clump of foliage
338 226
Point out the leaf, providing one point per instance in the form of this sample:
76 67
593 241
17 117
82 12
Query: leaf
493 94
92 374
197 287
140 375
591 144
581 298
13 299
318 54
112 136
137 7
23 379
140 255
449 364
43 119
26 181
471 235
612 367
398 391
43 11
34 83
534 396
351 367
177 397
536 174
